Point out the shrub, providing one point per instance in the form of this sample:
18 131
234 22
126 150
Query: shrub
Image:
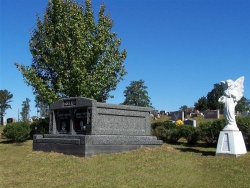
243 124
39 127
169 125
210 131
17 132
160 132
191 134
156 124
217 126
174 134
166 124
166 131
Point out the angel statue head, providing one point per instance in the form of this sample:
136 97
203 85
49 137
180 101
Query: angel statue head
233 92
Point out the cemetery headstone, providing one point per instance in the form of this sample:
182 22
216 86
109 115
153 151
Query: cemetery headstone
245 113
163 112
85 127
185 114
192 115
190 122
155 113
212 114
176 115
11 120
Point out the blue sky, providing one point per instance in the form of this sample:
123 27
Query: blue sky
180 48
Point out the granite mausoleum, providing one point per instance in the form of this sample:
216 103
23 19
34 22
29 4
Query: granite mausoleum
85 127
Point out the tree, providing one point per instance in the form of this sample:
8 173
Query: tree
201 104
183 108
72 54
25 110
186 108
5 99
41 107
211 100
243 105
137 95
213 96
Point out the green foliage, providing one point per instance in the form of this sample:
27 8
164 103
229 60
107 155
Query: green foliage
167 131
243 105
156 132
207 130
183 108
157 124
210 131
211 100
165 124
201 104
40 126
25 110
160 132
174 134
72 55
137 95
41 107
213 96
243 124
191 134
17 132
170 133
5 99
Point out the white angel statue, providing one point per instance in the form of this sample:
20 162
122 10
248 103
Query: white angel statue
233 92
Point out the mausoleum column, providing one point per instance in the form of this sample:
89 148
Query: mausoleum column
71 127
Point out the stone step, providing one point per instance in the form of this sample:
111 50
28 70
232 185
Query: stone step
98 139
58 141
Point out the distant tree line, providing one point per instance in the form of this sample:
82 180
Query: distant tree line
210 101
5 99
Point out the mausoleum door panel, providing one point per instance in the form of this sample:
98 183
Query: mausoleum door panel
63 121
82 124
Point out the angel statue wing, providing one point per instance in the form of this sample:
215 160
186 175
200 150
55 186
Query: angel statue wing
224 85
239 88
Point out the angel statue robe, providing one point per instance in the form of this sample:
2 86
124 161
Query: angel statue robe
233 91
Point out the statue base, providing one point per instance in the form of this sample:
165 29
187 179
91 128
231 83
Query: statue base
231 143
231 128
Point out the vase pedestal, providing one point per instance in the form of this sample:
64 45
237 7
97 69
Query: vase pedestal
231 143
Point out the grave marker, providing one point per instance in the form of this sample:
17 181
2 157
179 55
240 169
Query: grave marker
212 114
177 115
190 122
11 120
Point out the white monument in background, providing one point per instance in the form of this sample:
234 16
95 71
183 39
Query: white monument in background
231 141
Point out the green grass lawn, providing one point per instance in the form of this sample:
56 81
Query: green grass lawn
165 166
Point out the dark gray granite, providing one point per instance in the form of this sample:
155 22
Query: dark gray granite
211 114
59 141
74 102
100 139
68 149
91 128
190 122
177 115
